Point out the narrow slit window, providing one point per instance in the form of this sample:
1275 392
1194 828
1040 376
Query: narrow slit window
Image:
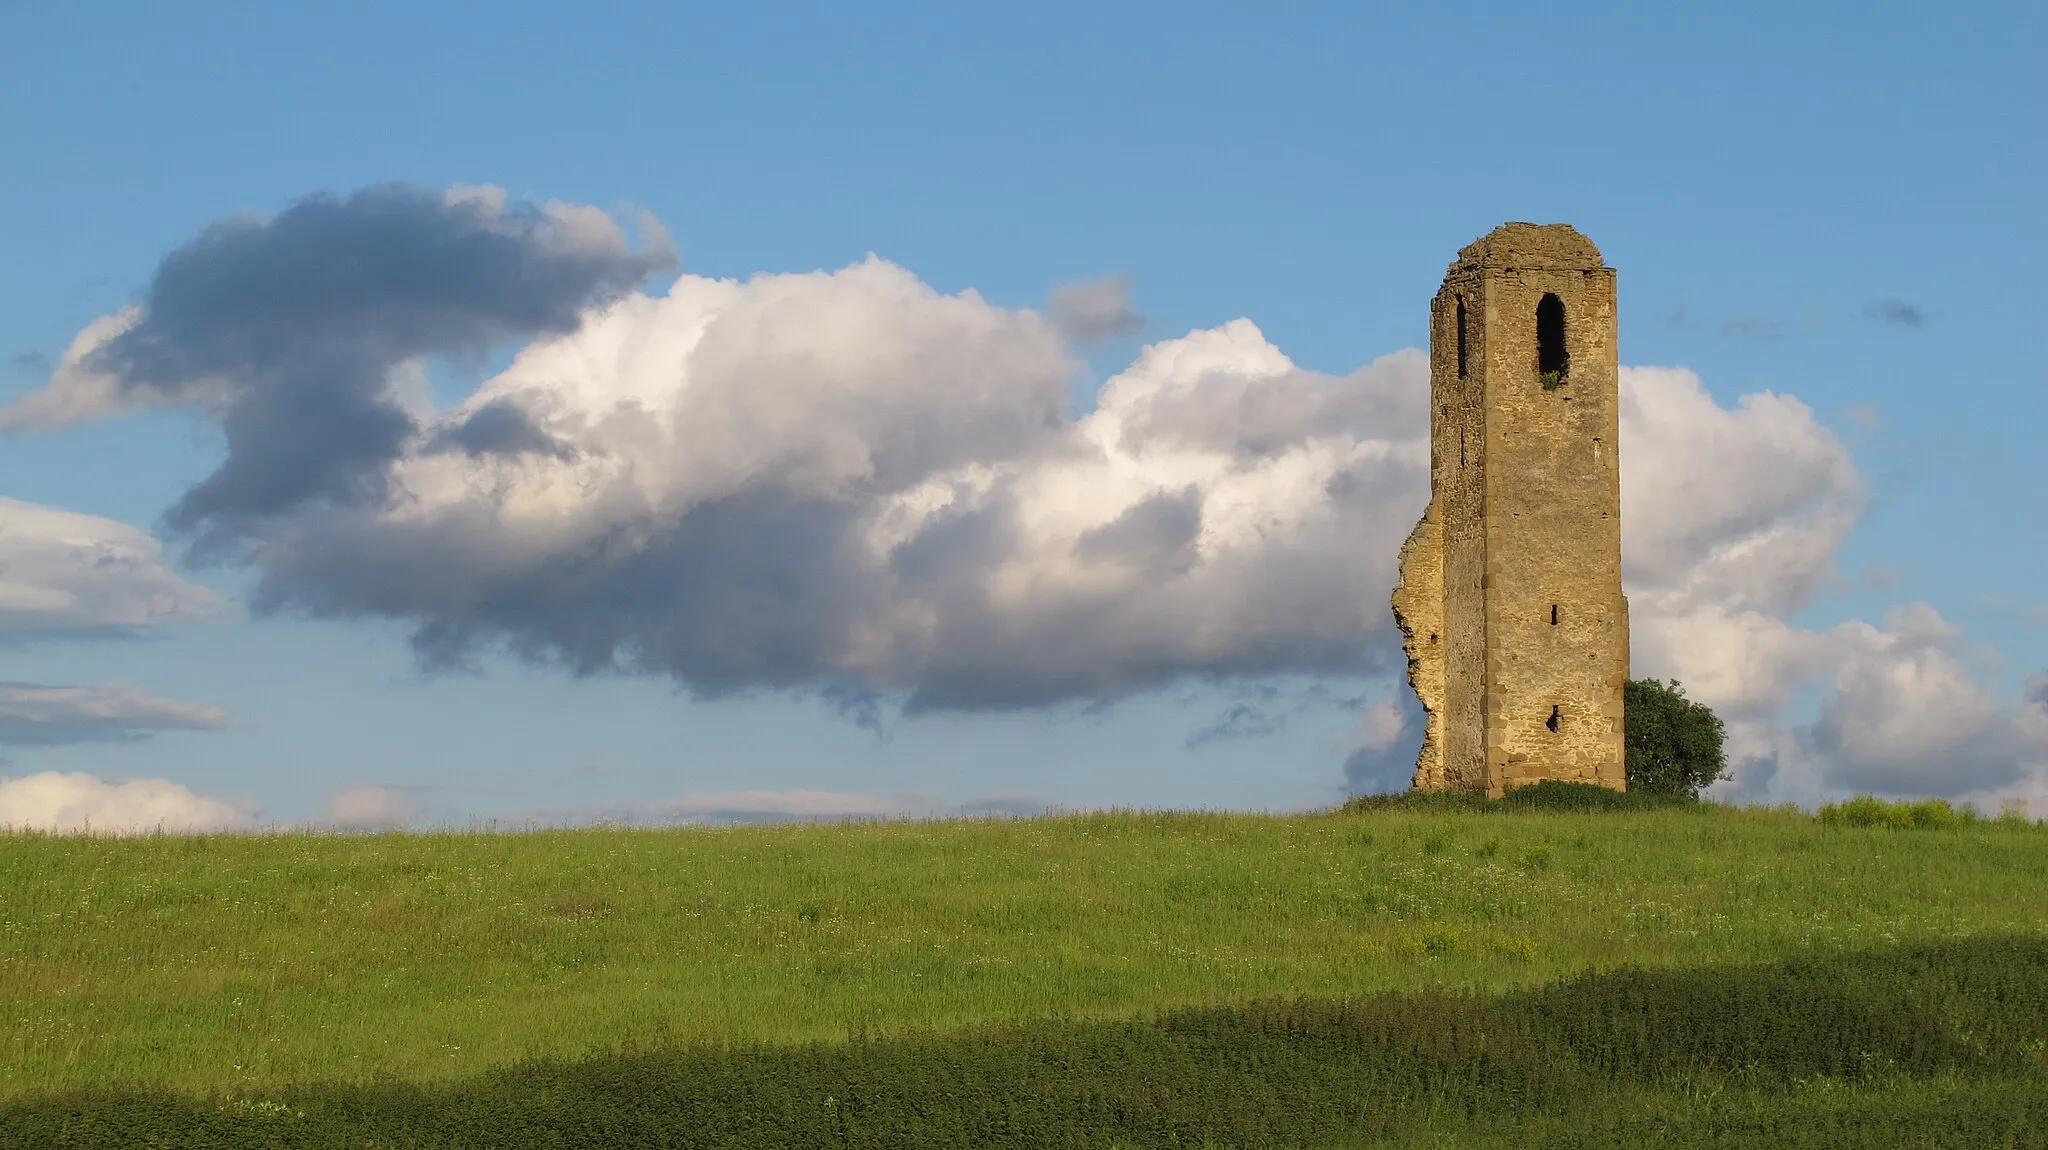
1461 337
1553 362
1554 719
1553 614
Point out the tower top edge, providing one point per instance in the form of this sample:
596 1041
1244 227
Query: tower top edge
1530 246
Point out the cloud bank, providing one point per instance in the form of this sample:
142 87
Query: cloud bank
846 482
82 803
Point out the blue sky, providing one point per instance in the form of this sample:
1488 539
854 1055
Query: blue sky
1833 202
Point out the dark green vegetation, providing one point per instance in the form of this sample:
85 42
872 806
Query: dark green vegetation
1869 811
1041 975
1937 1044
1548 795
1673 744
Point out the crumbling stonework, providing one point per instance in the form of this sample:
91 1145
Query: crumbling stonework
1510 593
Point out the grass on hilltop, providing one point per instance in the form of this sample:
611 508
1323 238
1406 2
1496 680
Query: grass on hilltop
245 963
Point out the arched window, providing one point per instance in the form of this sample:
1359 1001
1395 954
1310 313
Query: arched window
1553 362
1461 337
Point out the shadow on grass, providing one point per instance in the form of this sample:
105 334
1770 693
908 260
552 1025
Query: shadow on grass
1942 1042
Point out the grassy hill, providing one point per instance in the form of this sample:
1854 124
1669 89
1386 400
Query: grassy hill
244 967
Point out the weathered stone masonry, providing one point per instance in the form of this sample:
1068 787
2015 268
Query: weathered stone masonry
1510 592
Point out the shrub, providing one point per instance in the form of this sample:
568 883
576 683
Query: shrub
1871 811
1674 745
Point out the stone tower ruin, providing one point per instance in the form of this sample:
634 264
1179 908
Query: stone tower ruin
1510 592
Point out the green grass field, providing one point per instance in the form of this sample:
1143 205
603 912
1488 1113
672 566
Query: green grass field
1933 1044
240 966
1420 972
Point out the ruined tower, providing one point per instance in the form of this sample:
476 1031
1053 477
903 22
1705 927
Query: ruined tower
1510 594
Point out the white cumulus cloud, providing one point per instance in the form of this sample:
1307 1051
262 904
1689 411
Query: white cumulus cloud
848 481
366 806
77 802
1731 518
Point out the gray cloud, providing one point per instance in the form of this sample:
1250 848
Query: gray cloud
1896 312
1259 708
1906 717
1389 735
1244 719
34 715
1156 536
1095 310
1755 326
1380 770
65 575
290 326
1984 748
29 361
499 428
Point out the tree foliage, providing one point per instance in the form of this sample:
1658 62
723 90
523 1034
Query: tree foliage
1675 745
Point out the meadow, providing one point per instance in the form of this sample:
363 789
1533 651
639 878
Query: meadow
245 971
